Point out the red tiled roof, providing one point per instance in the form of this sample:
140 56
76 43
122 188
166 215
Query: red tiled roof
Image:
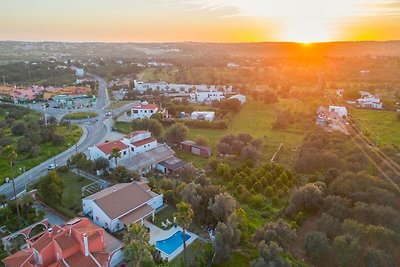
79 259
66 241
45 239
133 134
144 141
107 147
17 259
101 257
145 106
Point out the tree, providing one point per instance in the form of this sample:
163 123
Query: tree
11 155
224 148
51 188
101 164
137 250
115 153
176 133
187 172
227 237
58 140
152 125
201 140
317 247
246 138
329 225
270 254
120 174
250 153
279 232
347 250
184 217
307 198
19 129
223 206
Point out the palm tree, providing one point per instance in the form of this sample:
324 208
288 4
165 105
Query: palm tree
137 245
184 217
115 153
11 155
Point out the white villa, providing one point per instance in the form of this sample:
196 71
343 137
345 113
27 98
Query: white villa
201 97
143 110
341 111
121 205
130 145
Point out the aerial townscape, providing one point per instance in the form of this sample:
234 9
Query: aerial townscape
200 133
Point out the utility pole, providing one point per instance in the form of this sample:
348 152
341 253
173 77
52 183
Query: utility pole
4 80
15 193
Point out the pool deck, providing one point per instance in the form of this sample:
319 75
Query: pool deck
157 234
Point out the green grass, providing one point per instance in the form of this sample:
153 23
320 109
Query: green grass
163 215
192 251
198 161
379 125
72 195
123 127
47 150
80 115
257 119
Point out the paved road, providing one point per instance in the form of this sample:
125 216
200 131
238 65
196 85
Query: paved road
93 133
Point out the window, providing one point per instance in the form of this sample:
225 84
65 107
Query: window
145 111
124 153
97 218
132 149
135 111
106 224
151 111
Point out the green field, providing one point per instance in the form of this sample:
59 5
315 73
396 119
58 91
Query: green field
47 150
257 119
380 126
80 115
118 104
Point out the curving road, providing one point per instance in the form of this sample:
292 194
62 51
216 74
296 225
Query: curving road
93 133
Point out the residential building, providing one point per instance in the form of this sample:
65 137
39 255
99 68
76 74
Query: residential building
121 205
368 100
130 145
240 97
78 242
192 147
171 165
203 115
209 96
143 110
341 111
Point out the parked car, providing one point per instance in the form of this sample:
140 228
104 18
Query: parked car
52 167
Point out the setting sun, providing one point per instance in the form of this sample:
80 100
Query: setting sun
307 32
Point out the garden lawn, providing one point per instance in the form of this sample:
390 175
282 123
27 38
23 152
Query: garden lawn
192 251
72 196
379 125
80 115
123 127
47 150
118 104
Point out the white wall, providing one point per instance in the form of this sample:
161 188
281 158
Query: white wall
142 113
144 148
206 96
96 153
156 202
117 258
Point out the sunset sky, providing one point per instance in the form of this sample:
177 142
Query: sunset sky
201 20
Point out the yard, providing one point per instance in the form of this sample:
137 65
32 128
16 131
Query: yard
192 252
47 150
80 115
118 104
72 195
380 126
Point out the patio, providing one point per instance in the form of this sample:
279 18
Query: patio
157 234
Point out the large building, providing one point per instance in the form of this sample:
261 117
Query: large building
368 100
78 242
121 205
130 145
143 110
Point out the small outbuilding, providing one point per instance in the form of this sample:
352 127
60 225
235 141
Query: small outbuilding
192 147
203 115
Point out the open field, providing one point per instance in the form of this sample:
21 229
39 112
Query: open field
380 126
73 191
118 104
80 115
47 150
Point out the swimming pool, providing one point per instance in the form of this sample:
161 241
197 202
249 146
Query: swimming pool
170 244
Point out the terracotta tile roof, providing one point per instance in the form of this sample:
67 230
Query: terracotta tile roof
79 259
45 239
101 257
133 134
144 185
156 155
107 147
66 241
111 243
17 259
107 191
144 141
136 214
123 200
145 106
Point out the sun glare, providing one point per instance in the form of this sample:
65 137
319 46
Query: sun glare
307 32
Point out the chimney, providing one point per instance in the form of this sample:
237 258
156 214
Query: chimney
50 230
86 244
114 189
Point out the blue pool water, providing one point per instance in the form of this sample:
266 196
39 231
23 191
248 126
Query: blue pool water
170 244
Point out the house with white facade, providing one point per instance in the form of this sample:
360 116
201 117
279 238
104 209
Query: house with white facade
130 145
240 97
143 110
121 205
209 96
368 100
79 72
203 115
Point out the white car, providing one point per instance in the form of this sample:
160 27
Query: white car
52 167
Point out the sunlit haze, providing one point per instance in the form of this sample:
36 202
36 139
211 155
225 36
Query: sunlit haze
201 20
